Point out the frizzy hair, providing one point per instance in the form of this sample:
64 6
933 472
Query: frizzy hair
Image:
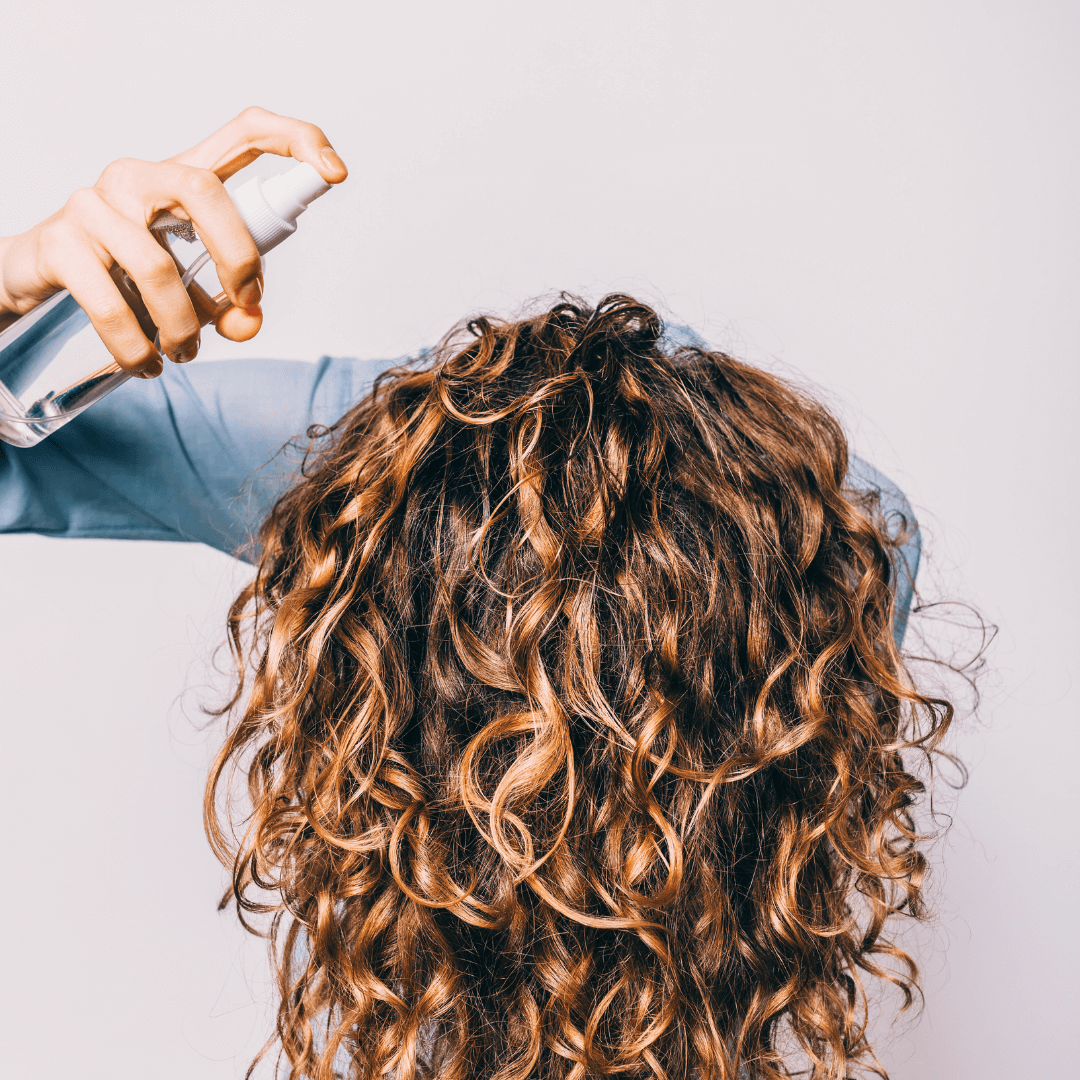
574 731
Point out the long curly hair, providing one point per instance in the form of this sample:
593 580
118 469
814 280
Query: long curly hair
575 736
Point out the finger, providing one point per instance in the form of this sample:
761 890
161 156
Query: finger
140 189
86 278
257 131
154 273
239 324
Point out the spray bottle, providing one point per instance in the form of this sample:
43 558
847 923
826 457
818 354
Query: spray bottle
52 363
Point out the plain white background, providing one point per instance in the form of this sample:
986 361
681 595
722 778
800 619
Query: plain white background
878 199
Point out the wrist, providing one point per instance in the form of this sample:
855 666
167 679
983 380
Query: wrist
8 314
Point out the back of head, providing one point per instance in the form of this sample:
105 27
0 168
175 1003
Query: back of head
576 719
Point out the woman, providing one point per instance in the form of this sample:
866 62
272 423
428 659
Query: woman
570 701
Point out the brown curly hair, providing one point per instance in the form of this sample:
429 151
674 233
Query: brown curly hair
575 729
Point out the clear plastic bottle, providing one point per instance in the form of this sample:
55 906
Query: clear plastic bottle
52 363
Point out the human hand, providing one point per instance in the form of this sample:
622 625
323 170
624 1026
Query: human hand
107 224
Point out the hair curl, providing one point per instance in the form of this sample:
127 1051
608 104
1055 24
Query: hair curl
575 726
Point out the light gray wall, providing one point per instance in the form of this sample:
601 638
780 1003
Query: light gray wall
879 198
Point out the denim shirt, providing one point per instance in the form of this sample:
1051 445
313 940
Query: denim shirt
200 454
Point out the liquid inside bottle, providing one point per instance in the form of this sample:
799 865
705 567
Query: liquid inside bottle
53 365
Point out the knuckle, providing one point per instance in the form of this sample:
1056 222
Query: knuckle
58 235
117 174
114 317
82 202
157 268
198 183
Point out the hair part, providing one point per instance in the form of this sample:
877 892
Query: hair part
572 721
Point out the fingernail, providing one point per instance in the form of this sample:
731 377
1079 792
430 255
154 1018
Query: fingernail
332 161
250 294
254 311
189 353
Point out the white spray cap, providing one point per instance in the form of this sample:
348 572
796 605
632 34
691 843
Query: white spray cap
270 207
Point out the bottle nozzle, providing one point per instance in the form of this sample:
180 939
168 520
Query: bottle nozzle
290 192
270 207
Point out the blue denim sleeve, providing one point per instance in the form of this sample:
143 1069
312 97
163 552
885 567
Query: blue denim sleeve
196 454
